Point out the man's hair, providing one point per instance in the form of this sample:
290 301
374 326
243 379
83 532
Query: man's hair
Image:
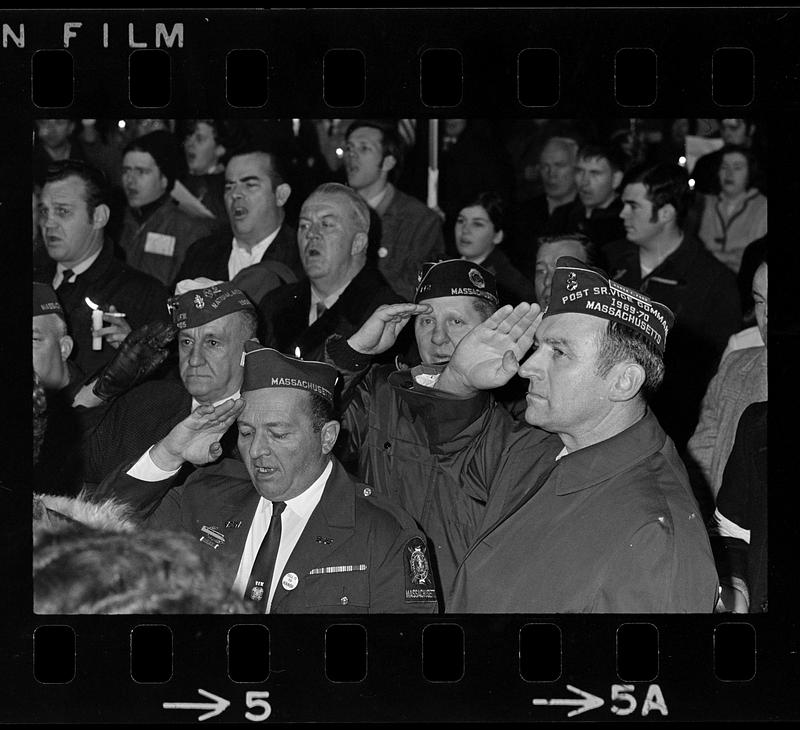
667 183
321 411
749 122
614 155
620 343
753 169
277 167
248 321
493 204
589 247
187 127
566 143
484 308
359 210
391 143
95 184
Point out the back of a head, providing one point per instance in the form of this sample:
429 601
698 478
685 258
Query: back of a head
81 570
666 183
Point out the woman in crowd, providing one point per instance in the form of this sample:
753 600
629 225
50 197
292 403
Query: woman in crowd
478 232
738 215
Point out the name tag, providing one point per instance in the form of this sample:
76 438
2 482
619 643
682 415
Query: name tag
160 243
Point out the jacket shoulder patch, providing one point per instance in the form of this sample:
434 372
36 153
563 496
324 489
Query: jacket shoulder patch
418 574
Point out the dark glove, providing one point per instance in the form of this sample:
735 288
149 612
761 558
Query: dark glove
139 355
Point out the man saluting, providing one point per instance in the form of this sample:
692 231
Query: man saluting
294 531
591 511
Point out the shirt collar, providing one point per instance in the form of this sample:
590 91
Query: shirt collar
234 396
330 300
305 502
599 462
82 266
260 247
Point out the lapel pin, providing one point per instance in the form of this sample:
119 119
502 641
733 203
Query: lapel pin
324 540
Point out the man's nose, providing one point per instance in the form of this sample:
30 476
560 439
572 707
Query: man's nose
532 367
259 446
196 355
439 335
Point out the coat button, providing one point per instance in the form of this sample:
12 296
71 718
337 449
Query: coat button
344 600
387 445
367 491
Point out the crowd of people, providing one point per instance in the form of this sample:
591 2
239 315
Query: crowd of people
275 372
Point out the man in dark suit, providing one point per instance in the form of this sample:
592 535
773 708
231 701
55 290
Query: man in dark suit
339 291
214 322
78 261
255 194
293 532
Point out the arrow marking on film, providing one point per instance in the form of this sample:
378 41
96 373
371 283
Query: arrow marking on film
586 702
214 708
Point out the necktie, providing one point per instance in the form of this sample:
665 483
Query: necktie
66 275
261 576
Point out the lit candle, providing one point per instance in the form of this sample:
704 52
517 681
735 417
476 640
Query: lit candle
97 323
295 127
297 352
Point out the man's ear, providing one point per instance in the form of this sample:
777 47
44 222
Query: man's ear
616 179
625 381
328 436
498 238
65 344
282 193
666 213
359 244
220 151
388 163
100 216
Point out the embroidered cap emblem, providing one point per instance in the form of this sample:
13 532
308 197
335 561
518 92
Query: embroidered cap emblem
476 278
572 281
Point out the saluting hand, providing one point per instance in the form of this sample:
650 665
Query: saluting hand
196 437
380 331
488 356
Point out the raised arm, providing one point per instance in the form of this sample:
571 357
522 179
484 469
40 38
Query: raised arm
488 357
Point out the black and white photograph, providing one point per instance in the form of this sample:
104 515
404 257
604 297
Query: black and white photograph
297 377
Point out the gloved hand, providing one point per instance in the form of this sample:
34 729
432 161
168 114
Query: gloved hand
139 355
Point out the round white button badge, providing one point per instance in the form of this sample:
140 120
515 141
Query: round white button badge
290 581
367 491
383 252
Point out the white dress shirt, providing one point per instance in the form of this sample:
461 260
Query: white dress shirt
145 468
77 269
243 256
329 301
293 521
